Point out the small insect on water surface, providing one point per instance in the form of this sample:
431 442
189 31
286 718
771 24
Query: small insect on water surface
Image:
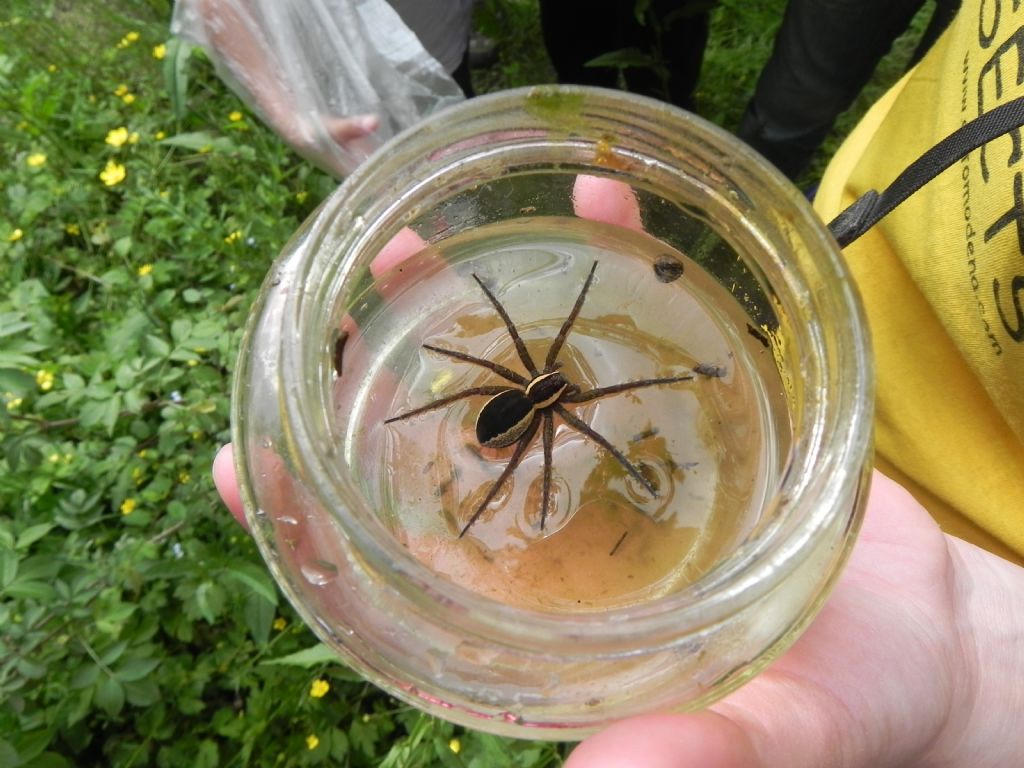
513 415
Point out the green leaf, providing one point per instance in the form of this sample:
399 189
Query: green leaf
110 696
142 693
176 74
16 381
12 323
50 760
123 246
256 579
624 58
210 601
8 567
154 345
640 8
84 676
33 670
315 656
8 754
208 756
30 745
30 590
202 141
113 652
135 668
32 534
112 621
259 616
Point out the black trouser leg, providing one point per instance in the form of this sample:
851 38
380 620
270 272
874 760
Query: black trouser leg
576 31
824 54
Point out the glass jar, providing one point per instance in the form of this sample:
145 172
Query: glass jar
660 578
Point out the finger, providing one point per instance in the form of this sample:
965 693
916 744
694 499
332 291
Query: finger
705 739
401 247
346 129
227 486
606 200
404 244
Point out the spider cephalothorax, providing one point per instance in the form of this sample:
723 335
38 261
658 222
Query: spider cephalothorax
513 415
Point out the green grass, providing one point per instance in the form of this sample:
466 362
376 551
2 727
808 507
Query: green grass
137 620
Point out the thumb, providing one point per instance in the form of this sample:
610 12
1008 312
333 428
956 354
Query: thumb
227 484
704 739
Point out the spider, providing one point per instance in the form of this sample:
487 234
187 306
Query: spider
513 415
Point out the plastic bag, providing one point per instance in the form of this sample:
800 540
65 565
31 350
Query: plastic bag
335 78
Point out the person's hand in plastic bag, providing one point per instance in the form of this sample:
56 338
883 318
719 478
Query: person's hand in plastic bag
333 78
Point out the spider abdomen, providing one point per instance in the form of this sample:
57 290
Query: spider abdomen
504 418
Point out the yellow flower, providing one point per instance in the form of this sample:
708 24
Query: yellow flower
145 269
279 623
117 137
128 506
128 39
159 135
45 380
301 196
52 68
233 237
53 458
159 51
133 137
72 229
184 477
312 741
15 236
121 90
319 688
113 174
128 98
36 160
235 116
13 403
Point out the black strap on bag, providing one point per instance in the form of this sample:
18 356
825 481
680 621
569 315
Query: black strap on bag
868 209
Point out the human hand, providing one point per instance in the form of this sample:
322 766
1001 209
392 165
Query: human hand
889 674
913 660
898 669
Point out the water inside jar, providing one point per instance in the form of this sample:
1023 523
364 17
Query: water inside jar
710 446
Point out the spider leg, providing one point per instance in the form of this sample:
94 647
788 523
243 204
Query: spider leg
556 345
491 390
587 430
549 439
524 355
593 394
506 473
501 370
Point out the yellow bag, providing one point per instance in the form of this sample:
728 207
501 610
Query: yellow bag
942 279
